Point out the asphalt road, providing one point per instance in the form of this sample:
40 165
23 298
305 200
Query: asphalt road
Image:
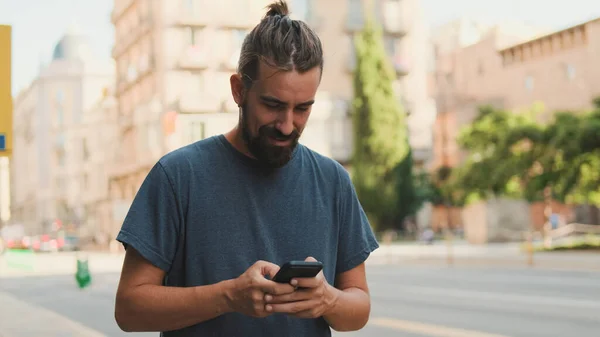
407 301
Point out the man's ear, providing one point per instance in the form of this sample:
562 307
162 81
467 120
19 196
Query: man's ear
237 88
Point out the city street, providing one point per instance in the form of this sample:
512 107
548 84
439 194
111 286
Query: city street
408 301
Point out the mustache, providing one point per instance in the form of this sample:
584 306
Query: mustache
273 132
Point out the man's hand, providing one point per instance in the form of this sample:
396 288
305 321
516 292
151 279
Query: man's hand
313 298
246 294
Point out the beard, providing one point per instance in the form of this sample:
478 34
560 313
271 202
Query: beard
260 146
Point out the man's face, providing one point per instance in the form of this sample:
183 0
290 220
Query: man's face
275 111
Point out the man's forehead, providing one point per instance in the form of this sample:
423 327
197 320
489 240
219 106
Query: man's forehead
277 82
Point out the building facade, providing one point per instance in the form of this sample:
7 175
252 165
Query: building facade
47 171
513 69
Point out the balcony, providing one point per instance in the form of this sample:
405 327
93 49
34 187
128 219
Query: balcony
126 40
196 18
118 11
229 105
193 58
194 103
393 19
238 19
401 67
135 73
125 121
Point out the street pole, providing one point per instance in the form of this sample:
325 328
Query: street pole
529 247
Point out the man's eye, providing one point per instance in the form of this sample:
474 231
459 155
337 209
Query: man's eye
273 106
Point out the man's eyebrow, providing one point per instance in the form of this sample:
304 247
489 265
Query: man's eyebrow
280 102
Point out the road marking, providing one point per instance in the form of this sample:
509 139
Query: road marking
506 297
430 330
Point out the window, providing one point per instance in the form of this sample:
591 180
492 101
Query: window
84 150
300 9
570 70
189 5
529 83
60 158
196 131
354 20
238 37
60 103
194 36
351 54
60 116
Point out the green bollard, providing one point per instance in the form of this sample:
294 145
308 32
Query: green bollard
83 276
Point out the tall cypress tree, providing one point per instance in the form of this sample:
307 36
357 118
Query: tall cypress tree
380 133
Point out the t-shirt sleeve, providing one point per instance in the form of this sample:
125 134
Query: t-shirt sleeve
356 238
152 223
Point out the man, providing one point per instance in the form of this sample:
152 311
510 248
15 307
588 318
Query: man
214 220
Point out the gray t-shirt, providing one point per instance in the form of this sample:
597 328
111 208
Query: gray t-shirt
206 212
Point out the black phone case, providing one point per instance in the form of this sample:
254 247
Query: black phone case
298 269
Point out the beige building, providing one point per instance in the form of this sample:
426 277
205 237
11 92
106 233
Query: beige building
558 69
512 68
174 59
49 179
98 134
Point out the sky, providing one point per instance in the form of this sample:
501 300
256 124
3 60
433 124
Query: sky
39 24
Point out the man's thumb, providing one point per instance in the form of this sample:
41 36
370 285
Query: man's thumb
310 259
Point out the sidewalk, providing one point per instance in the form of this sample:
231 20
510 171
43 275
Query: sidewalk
463 254
46 264
21 319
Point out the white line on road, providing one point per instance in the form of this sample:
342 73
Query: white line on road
505 297
430 330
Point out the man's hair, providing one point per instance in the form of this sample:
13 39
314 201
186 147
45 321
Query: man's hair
279 42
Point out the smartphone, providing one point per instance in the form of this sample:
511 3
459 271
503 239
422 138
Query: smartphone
299 269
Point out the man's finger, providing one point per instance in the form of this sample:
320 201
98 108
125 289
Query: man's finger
274 288
291 307
268 268
298 295
310 259
307 282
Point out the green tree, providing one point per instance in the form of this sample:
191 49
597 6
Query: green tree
380 134
513 155
412 189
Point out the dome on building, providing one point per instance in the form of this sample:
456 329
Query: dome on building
73 45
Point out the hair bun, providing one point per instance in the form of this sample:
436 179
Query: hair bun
278 8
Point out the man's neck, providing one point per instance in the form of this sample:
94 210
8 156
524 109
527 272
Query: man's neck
235 138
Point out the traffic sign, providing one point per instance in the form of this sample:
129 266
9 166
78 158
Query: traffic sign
6 104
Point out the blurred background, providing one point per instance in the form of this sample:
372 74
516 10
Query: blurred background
486 202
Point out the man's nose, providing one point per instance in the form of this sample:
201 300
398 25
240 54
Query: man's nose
285 124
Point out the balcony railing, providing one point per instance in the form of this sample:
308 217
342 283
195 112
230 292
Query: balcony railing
195 103
118 11
126 40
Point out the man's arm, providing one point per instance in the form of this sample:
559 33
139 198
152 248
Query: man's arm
143 304
352 305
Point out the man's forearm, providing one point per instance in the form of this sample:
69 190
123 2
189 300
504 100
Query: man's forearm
350 311
159 308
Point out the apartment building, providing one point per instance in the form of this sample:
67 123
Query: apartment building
48 178
100 144
174 59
